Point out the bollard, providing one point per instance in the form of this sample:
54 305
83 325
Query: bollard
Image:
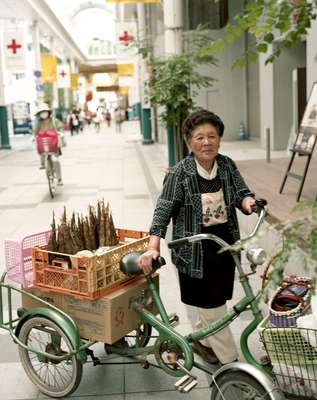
268 145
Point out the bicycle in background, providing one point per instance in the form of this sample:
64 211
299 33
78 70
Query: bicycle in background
47 146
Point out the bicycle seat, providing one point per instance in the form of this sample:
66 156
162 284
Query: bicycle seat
129 263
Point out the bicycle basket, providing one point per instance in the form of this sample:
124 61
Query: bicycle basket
290 301
293 358
47 141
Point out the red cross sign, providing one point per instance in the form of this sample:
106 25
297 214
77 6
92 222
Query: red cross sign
126 38
14 46
63 73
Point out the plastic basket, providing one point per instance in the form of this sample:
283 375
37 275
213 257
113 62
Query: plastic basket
18 257
47 141
287 346
83 276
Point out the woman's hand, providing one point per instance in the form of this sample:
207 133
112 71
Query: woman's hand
145 261
247 204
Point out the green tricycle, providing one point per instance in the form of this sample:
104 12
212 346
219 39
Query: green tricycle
53 353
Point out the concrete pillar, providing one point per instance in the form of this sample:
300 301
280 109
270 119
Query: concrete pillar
311 51
146 107
66 91
37 61
266 98
173 37
4 131
173 24
54 84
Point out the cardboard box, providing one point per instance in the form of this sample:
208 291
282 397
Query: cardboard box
106 319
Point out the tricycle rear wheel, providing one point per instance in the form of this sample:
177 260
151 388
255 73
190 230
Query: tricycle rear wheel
54 378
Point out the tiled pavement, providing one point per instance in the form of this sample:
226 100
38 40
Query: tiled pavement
128 175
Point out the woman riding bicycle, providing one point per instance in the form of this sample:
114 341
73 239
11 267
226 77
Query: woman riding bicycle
47 126
200 195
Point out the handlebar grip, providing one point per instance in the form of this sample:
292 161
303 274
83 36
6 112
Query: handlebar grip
174 244
259 205
129 263
158 263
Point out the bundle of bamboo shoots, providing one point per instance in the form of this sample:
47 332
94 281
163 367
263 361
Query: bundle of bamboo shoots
84 232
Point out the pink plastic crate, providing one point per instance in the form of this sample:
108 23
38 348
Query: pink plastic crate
18 257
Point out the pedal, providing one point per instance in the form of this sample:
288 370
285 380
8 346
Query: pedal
173 320
181 381
189 386
186 383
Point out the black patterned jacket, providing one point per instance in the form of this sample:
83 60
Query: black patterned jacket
180 200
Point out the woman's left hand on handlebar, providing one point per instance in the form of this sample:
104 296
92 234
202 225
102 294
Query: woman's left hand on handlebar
146 259
247 204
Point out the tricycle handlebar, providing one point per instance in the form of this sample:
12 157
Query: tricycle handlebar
258 208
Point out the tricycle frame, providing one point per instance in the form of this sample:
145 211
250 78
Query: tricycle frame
168 338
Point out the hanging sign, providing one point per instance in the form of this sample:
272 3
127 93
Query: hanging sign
22 123
48 68
14 50
74 80
125 69
63 76
126 33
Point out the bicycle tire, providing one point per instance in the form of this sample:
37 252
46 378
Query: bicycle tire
52 378
237 385
50 174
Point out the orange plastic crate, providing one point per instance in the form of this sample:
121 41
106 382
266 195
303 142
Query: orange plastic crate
82 276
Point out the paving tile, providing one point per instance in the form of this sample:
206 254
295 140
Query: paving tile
195 394
152 380
9 350
16 385
17 206
93 397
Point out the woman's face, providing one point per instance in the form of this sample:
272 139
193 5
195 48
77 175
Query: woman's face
44 114
204 142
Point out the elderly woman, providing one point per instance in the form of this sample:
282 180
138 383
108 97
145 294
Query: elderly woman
200 195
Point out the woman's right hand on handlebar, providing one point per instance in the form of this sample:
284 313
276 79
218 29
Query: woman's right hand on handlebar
146 260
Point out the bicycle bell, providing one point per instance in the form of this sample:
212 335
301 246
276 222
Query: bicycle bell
256 256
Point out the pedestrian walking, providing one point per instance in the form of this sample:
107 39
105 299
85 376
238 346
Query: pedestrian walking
73 123
81 119
108 118
117 118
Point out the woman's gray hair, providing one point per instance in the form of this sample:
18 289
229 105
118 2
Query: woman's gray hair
201 117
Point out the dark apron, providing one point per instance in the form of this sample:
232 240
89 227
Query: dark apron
216 285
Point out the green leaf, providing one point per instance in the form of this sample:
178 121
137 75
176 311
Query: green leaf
269 60
238 63
262 47
218 45
269 37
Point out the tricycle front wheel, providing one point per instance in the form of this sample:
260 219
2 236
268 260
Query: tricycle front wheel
53 378
238 385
